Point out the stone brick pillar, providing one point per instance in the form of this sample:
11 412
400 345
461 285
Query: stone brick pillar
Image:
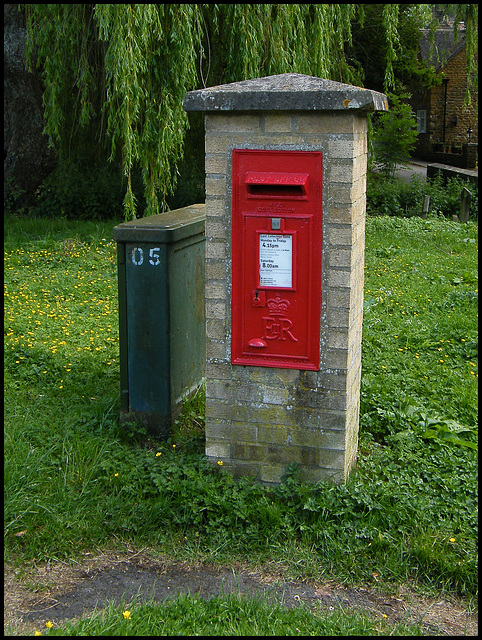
260 419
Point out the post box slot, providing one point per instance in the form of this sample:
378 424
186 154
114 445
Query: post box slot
275 190
267 184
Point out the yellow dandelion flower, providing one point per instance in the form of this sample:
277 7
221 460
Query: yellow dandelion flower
452 540
220 463
127 615
49 624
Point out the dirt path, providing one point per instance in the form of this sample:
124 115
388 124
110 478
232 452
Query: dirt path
61 592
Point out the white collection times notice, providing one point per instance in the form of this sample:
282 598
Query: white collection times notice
275 260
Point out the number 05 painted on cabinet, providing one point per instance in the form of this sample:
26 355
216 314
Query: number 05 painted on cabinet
137 256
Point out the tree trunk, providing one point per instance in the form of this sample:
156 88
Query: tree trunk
27 158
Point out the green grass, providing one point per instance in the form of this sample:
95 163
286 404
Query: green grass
229 615
421 309
74 480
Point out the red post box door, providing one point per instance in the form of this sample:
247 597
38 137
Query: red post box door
276 258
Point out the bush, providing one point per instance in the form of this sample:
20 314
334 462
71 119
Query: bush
445 199
392 197
75 194
98 194
394 135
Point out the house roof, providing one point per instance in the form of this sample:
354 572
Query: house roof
445 45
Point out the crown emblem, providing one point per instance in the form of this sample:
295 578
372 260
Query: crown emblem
277 306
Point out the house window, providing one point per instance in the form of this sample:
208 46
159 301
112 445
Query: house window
422 121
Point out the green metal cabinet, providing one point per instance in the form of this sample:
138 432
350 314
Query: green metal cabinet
161 314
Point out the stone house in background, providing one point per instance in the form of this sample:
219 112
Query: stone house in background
448 129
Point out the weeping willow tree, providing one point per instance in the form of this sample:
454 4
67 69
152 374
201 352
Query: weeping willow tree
115 75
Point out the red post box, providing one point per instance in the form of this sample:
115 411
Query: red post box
276 258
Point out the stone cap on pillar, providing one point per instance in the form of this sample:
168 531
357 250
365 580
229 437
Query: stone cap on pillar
285 92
